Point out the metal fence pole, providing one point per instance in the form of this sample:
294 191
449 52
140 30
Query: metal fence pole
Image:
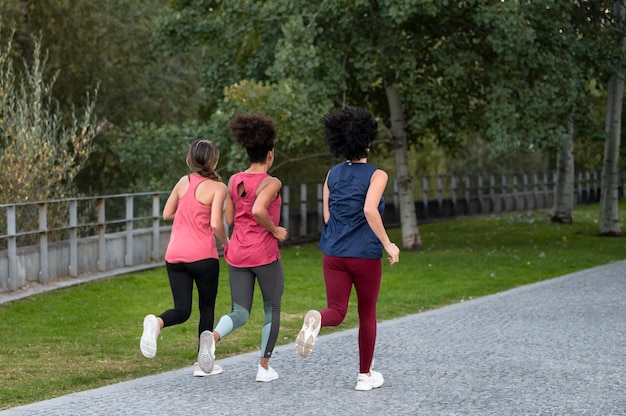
285 208
156 216
303 210
102 245
12 247
128 258
43 243
73 231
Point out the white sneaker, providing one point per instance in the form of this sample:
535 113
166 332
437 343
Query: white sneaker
206 352
308 334
197 371
148 343
266 375
365 382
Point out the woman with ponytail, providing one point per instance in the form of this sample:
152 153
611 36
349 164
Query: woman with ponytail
196 205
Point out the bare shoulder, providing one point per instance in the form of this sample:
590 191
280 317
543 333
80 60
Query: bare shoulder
379 175
270 181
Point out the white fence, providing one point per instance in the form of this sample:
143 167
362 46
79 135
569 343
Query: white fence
51 240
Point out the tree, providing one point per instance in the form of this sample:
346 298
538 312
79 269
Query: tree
516 72
609 211
541 60
564 192
109 44
40 153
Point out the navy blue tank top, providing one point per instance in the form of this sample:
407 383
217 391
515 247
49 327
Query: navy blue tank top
347 233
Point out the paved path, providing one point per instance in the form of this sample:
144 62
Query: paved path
551 348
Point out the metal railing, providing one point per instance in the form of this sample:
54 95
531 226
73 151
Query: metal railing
51 240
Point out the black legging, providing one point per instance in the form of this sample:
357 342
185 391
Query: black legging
182 275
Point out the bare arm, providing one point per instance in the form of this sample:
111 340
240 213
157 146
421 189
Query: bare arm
325 195
169 210
217 209
378 182
229 207
268 191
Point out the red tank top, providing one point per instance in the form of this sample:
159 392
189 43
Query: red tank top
192 237
251 244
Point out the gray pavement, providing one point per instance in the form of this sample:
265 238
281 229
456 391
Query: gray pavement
553 348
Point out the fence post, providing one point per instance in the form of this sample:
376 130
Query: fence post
525 192
425 195
467 194
285 209
43 243
12 247
396 198
453 196
479 193
588 185
320 203
102 249
503 193
73 267
492 192
303 218
128 258
156 216
535 191
439 192
580 188
545 189
514 185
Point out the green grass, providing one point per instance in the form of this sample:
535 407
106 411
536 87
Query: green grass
87 336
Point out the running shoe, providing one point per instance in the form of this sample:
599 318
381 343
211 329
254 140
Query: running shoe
206 352
308 334
197 371
365 382
266 375
148 343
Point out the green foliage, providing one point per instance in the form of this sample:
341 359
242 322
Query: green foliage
42 148
141 157
297 122
98 324
109 44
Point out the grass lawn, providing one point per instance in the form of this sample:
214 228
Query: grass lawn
87 336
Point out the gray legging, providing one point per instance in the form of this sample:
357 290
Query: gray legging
272 282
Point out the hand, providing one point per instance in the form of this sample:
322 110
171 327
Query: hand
393 253
280 234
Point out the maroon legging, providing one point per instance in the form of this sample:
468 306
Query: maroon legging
340 273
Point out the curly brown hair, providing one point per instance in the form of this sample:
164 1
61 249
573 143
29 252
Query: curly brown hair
350 132
255 133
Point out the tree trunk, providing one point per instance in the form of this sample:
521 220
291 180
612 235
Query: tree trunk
609 195
564 194
411 239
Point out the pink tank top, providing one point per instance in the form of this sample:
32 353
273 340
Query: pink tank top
250 244
192 237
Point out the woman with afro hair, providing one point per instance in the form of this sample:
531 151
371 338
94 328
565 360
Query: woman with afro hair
253 208
353 237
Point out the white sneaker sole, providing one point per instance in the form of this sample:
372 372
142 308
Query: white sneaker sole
216 370
206 359
308 334
148 343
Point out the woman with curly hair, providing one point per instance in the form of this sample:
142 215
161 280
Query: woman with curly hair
253 209
353 237
196 206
